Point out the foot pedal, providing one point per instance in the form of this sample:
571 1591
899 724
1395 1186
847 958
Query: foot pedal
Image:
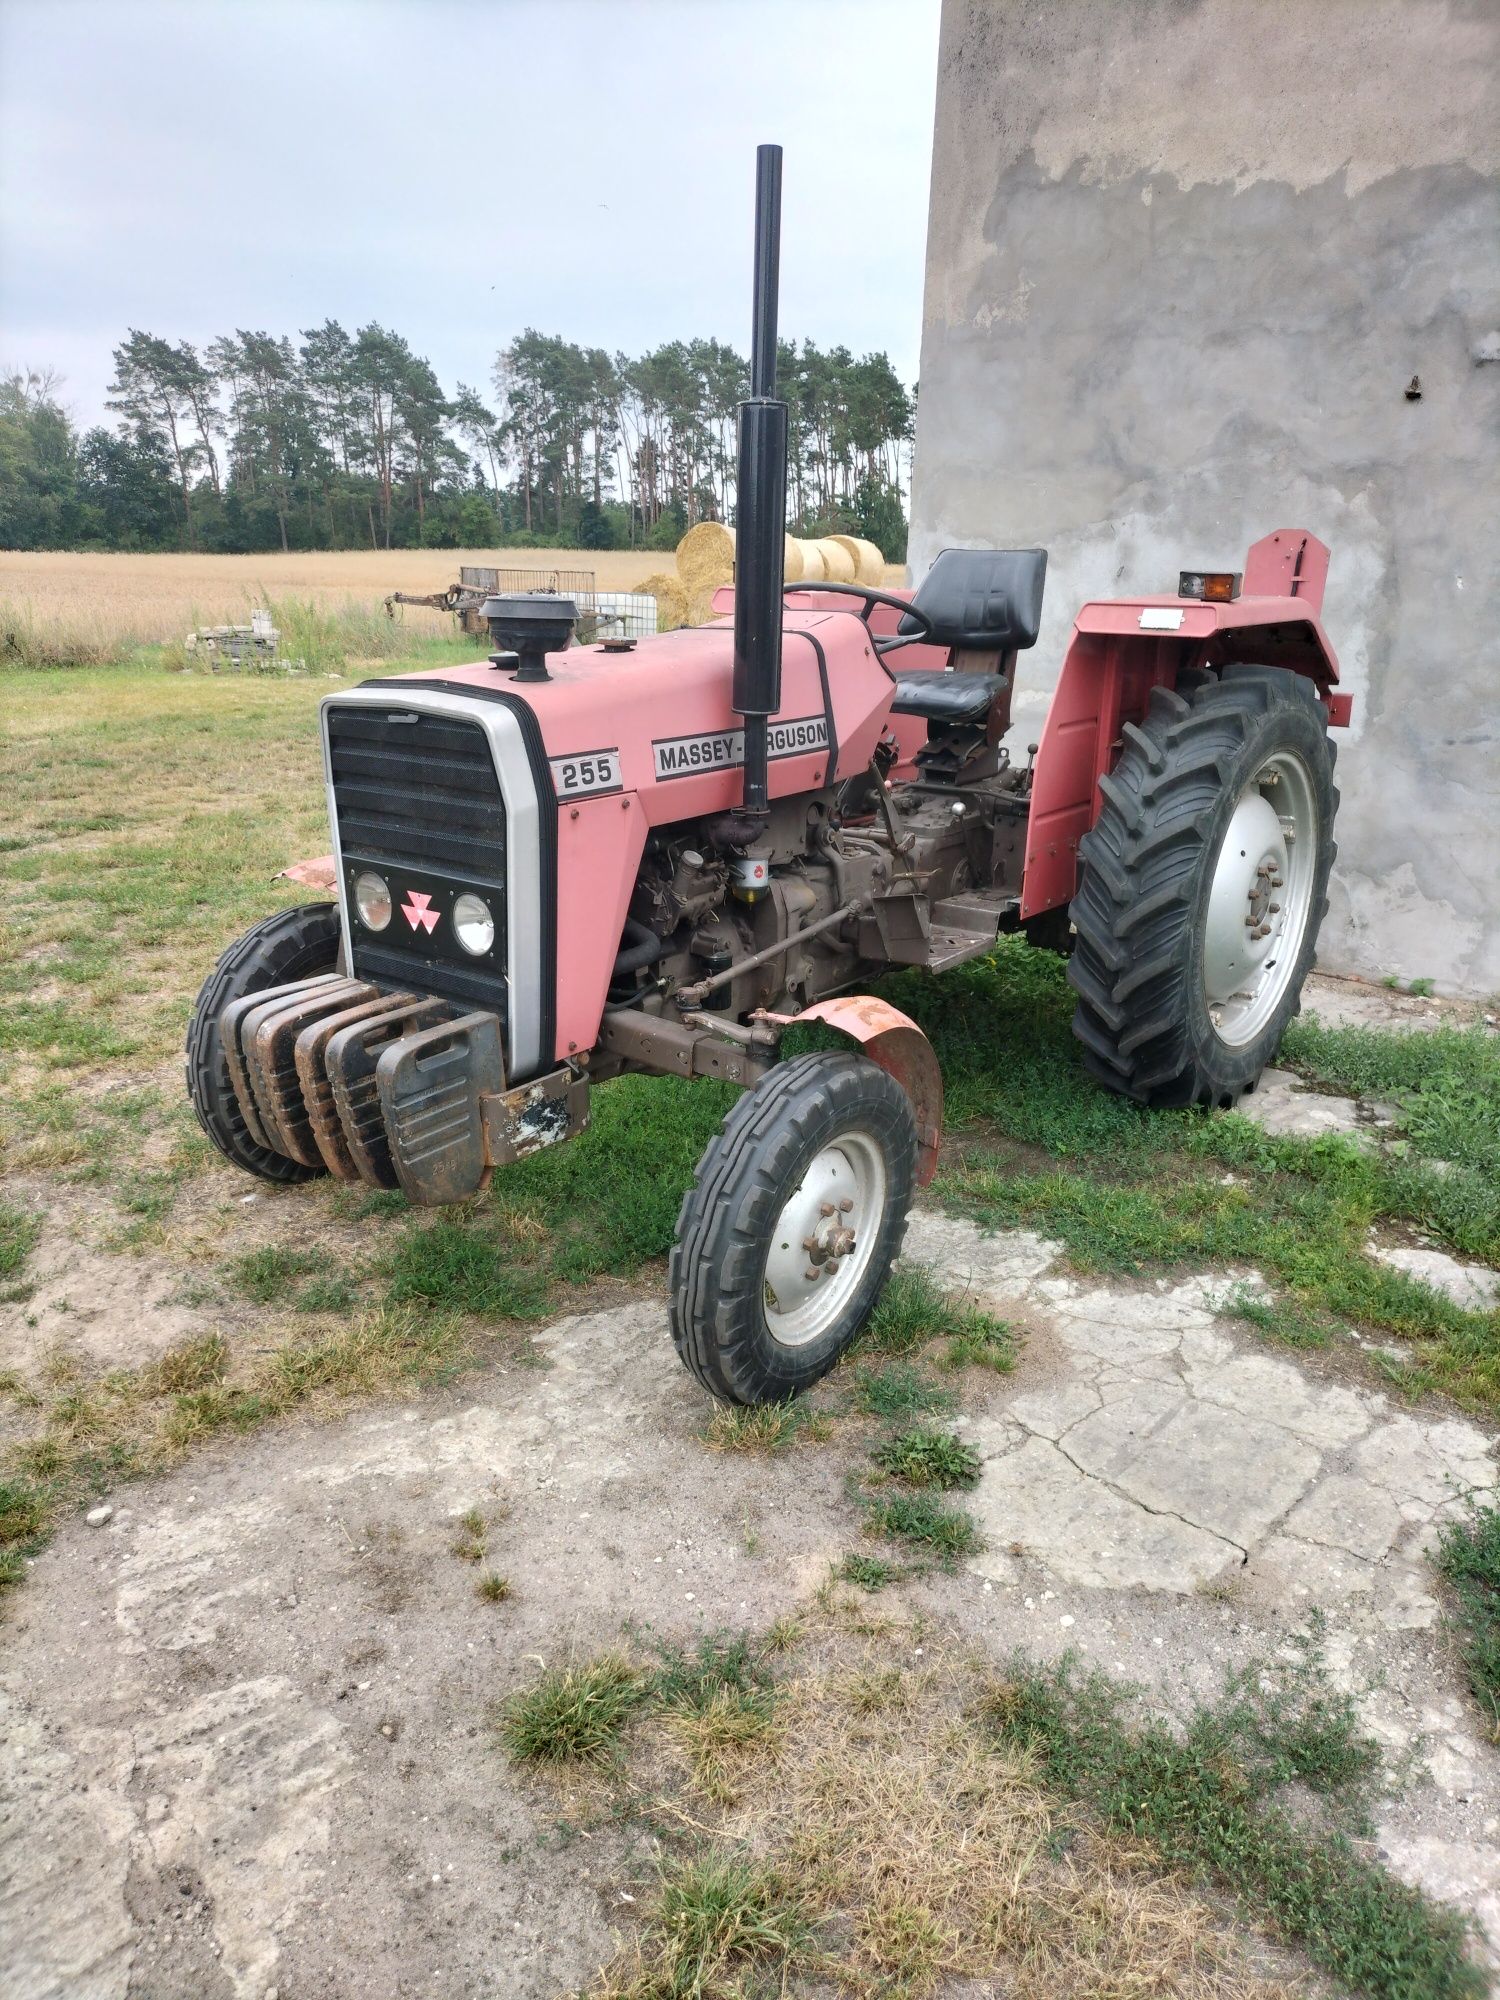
351 1056
317 1086
430 1085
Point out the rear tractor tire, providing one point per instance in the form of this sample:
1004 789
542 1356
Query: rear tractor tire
786 1237
294 944
1204 880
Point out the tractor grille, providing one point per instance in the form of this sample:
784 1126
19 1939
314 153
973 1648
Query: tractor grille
418 800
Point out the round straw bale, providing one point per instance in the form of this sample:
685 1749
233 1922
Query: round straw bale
792 570
814 569
869 563
838 564
671 599
705 556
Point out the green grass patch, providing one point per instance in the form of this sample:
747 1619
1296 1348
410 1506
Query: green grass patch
1469 1557
768 1427
573 1715
720 1921
19 1230
922 1456
268 1274
869 1573
914 1310
923 1519
898 1390
460 1266
1209 1800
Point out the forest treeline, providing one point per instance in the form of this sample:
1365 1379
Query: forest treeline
344 440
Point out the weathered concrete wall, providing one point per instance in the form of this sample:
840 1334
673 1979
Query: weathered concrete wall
1184 258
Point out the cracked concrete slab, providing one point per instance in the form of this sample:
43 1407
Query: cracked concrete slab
1472 1286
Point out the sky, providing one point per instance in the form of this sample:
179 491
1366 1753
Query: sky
457 170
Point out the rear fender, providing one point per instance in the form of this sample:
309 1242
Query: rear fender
1123 648
892 1040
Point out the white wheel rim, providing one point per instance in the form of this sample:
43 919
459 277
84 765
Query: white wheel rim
824 1239
1260 900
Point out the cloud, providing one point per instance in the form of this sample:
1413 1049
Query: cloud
455 171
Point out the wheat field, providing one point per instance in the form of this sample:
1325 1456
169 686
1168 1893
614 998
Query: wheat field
94 607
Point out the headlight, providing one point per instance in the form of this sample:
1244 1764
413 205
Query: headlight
372 898
473 925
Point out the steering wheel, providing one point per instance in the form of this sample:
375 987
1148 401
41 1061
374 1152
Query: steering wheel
870 599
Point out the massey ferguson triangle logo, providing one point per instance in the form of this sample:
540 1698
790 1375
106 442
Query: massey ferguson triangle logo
417 914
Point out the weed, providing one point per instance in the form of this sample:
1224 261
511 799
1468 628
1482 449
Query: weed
1206 1801
693 1677
1280 1319
1469 1557
1421 987
925 1457
493 1589
785 1634
573 1715
766 1428
913 1310
925 1520
897 1390
871 1573
193 1364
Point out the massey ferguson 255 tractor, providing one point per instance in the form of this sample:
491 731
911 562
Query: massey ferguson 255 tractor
565 862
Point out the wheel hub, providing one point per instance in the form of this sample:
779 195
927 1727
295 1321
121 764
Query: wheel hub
1260 899
824 1238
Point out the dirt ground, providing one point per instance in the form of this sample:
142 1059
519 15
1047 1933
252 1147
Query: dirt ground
249 1741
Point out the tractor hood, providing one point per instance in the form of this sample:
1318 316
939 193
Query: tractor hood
657 721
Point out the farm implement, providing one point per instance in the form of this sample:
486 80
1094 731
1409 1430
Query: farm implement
564 862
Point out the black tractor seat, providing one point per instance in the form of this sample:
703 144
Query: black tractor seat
944 696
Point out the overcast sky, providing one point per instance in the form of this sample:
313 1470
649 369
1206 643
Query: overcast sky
457 169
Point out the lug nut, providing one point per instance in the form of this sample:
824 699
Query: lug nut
812 1271
827 1208
845 1205
1274 907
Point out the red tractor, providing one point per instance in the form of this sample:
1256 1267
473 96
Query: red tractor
565 862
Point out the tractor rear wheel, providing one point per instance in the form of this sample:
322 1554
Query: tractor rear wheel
294 944
1204 881
786 1237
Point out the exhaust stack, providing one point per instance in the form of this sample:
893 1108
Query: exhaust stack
760 546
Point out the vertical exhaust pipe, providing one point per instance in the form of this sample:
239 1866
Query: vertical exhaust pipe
760 546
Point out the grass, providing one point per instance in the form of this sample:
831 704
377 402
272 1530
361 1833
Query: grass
717 1700
1469 1557
927 1523
898 1390
770 1427
898 1844
922 1456
1209 1800
128 1422
573 1715
914 1310
1126 1190
492 1589
869 1573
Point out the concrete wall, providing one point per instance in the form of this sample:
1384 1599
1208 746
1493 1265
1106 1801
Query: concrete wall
1184 257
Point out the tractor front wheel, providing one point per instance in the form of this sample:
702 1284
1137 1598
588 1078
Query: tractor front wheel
1204 881
294 944
786 1237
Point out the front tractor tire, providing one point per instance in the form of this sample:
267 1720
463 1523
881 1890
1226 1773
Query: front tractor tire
1204 880
786 1237
294 944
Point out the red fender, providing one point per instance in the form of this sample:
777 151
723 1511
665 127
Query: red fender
319 873
1122 648
894 1042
